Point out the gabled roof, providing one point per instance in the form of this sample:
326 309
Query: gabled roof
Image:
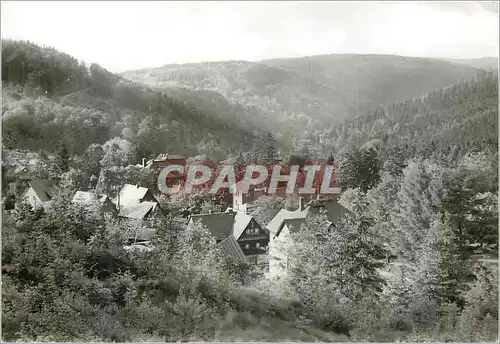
241 221
43 188
294 219
232 250
88 198
137 211
278 221
219 224
294 224
130 194
334 210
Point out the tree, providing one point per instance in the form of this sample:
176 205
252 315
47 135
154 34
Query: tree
419 200
369 169
117 152
271 154
88 163
198 252
266 208
394 161
440 274
341 259
382 202
360 169
355 253
63 157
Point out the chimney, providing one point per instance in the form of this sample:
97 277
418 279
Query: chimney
143 162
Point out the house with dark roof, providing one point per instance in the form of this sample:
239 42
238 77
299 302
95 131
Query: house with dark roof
39 193
232 250
251 238
287 222
220 225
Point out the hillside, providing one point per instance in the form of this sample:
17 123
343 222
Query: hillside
485 63
412 255
465 114
309 92
50 98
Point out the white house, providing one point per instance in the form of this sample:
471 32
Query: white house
286 222
280 229
138 207
39 194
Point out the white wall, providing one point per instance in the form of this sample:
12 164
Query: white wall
31 197
278 256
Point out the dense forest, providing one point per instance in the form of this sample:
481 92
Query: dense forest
291 96
49 99
419 177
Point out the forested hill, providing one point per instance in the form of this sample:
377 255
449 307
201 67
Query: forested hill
50 98
485 63
289 95
462 115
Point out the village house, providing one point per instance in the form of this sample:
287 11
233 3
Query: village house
232 250
220 225
133 195
138 207
286 222
154 166
251 238
163 160
39 193
92 199
22 176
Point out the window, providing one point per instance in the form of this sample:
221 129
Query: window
256 231
257 245
247 246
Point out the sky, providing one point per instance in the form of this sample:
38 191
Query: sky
127 35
